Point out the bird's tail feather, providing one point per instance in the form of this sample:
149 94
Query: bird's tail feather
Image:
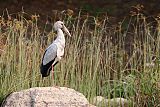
45 69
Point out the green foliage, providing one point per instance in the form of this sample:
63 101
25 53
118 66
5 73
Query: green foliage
94 63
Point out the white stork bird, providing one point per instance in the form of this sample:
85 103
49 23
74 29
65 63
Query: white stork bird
55 51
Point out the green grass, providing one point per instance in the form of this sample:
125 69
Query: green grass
95 61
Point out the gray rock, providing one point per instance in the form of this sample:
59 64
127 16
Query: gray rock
100 101
97 100
46 97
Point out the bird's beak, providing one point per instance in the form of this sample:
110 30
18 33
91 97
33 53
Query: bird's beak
66 31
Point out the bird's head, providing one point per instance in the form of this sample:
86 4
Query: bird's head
60 25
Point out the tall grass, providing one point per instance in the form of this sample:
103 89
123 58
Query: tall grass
97 59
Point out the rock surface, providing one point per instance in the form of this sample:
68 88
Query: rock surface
46 97
100 101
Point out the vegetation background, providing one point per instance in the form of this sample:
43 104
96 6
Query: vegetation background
114 51
115 8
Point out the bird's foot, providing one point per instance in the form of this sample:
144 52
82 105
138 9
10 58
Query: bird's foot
56 86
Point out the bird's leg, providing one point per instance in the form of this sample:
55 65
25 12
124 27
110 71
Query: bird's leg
53 76
53 68
53 72
43 81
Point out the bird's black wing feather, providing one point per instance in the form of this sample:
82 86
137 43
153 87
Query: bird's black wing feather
49 56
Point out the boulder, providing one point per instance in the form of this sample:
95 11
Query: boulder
100 101
97 100
46 97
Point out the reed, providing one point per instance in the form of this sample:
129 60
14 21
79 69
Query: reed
95 63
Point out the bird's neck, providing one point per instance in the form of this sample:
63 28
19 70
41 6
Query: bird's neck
60 34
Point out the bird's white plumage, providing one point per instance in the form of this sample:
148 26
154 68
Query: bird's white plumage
56 49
